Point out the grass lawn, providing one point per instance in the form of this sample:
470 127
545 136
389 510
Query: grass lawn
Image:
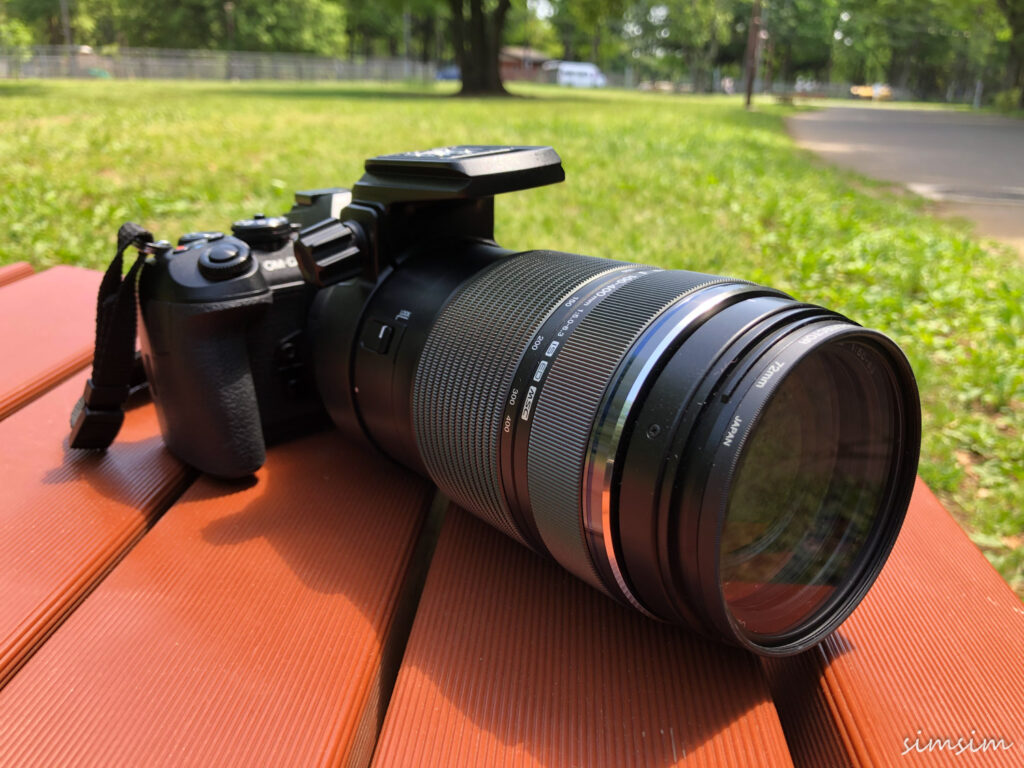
694 183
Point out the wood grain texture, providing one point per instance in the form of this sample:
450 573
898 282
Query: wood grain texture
935 651
512 662
246 628
47 330
67 516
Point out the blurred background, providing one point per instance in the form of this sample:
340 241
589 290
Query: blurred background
956 51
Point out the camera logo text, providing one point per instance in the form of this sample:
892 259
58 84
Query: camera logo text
272 265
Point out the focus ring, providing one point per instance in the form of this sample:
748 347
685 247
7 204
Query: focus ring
568 406
467 366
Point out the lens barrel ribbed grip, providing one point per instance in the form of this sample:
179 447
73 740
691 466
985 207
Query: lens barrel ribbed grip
467 365
568 408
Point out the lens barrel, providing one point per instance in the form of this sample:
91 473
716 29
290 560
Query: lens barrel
708 451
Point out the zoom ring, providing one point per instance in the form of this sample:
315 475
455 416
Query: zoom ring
569 403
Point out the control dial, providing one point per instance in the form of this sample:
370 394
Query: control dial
330 251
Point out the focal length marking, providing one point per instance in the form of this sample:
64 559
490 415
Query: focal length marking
527 385
770 371
581 303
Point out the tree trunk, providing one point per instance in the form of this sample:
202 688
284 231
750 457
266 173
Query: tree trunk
458 34
1015 67
750 63
352 39
477 46
426 30
1013 10
54 34
710 55
568 50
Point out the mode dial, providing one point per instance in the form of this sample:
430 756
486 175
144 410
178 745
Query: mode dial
330 251
264 233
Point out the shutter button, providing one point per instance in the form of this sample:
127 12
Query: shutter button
224 260
220 254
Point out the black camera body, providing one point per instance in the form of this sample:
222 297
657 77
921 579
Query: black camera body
226 329
706 450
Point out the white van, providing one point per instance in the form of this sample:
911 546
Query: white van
580 74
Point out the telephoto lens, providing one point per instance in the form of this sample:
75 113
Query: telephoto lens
708 451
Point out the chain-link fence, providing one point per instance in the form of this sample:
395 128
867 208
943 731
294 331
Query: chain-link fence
169 64
152 63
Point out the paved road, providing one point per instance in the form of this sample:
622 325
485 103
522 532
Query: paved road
973 164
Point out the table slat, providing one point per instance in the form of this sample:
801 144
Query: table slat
11 272
47 330
68 516
511 661
247 627
935 651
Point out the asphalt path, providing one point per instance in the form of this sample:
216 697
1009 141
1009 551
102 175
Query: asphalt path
971 164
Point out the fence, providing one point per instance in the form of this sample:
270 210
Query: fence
151 63
154 63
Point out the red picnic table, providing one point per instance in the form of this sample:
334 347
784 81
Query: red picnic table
335 610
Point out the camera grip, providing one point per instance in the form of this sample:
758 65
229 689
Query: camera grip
197 363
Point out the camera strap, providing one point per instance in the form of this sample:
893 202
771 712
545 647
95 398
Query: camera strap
99 413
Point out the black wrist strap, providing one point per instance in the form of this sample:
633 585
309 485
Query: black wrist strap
99 413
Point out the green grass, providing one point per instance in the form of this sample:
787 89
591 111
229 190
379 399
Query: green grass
680 182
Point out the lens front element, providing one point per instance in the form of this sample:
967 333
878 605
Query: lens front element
808 491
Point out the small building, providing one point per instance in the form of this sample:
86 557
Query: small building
521 63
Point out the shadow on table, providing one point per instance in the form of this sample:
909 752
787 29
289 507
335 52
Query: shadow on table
328 507
511 650
506 647
799 696
136 471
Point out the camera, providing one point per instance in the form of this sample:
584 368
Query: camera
706 450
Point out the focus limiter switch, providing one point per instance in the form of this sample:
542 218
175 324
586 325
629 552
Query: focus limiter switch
377 336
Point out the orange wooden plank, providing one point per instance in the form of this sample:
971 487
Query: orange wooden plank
67 516
935 652
511 661
246 628
11 272
47 328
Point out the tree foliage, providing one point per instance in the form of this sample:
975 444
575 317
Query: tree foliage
1013 12
689 33
314 26
14 33
931 48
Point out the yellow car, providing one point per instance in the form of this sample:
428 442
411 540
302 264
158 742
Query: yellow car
876 92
